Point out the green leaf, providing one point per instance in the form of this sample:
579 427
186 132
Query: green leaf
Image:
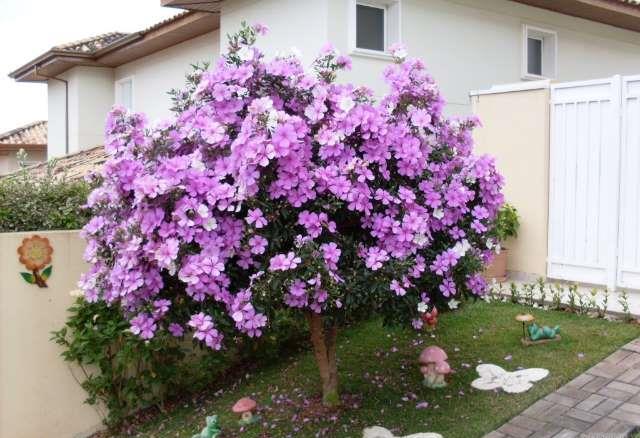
28 277
47 272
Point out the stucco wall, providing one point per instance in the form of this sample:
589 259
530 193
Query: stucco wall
91 95
516 132
470 44
39 396
293 23
156 74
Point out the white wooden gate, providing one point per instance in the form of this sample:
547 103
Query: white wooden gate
584 181
629 228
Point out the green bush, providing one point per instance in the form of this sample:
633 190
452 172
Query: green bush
506 223
124 373
30 203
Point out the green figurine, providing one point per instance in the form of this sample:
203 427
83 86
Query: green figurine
211 430
537 333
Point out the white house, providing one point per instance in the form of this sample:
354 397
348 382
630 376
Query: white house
467 44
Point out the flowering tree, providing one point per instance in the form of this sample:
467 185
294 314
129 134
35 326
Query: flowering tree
272 187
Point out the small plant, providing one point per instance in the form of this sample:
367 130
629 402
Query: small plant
573 293
529 292
602 309
506 223
515 293
556 299
583 303
542 290
593 300
623 300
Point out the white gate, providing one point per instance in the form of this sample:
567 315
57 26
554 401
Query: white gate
584 181
629 234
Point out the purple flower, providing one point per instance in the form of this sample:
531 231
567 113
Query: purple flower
256 217
331 254
143 325
284 262
375 257
258 244
176 329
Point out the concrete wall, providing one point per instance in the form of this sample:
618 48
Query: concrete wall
9 159
39 396
516 132
156 74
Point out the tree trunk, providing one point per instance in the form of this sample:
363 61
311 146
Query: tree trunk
324 347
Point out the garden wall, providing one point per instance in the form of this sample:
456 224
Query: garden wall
39 396
515 130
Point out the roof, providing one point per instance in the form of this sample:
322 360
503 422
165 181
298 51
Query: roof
32 134
116 48
92 44
73 166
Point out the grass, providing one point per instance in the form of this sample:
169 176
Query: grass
382 385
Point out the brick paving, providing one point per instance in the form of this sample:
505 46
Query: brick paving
604 402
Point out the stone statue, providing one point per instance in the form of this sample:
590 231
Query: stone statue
211 430
537 333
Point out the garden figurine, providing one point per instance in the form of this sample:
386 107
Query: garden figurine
245 407
524 318
381 432
431 318
211 430
434 367
537 333
493 377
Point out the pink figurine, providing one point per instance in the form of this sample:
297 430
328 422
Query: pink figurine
434 367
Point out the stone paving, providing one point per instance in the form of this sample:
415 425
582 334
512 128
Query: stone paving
604 402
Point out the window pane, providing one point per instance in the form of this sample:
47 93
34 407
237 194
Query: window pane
369 28
534 56
126 94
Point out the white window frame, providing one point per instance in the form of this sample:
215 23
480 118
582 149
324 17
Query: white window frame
118 97
392 26
549 61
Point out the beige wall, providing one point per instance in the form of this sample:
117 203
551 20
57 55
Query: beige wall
516 132
39 396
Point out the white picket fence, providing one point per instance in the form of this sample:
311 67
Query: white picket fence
594 188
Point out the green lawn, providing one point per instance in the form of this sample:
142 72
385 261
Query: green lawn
382 385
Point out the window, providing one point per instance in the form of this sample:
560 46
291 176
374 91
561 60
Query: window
374 26
124 92
539 53
370 29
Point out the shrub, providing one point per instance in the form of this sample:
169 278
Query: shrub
42 203
506 223
275 189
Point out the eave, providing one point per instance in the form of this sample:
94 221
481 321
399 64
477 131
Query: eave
194 5
134 46
616 13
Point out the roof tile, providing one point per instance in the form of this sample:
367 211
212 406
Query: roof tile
34 133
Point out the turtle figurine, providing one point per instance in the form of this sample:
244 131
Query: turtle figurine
211 430
538 333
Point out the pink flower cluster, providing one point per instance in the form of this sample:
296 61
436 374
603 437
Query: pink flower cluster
190 210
